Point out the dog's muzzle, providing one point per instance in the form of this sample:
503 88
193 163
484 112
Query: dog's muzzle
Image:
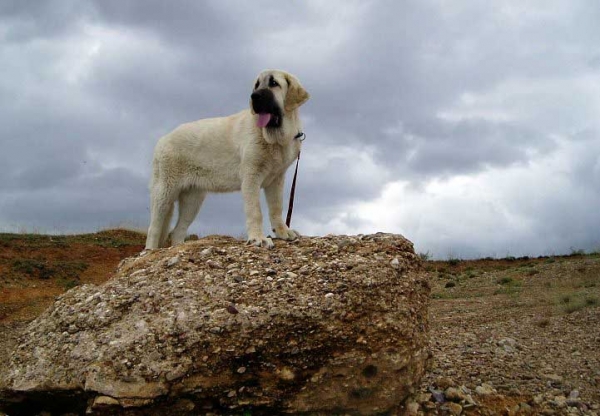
264 104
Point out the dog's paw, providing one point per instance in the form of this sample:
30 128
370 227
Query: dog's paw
286 233
261 242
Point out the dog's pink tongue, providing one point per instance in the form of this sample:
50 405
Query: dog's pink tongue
263 119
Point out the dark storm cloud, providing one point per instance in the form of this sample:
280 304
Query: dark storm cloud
42 20
473 145
113 197
401 91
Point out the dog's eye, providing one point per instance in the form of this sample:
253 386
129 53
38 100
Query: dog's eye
273 83
256 85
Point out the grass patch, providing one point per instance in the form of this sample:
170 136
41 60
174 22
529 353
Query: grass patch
576 301
574 307
542 322
565 299
506 280
587 282
454 261
112 238
509 287
470 274
444 295
41 269
108 238
69 283
508 290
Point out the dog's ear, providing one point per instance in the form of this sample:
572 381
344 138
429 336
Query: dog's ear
296 94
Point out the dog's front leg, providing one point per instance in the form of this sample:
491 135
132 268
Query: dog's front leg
254 220
274 195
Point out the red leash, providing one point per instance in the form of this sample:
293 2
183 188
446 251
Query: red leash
288 219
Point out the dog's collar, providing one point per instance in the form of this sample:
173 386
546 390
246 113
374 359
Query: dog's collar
300 134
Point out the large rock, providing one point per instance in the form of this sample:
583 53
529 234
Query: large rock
318 326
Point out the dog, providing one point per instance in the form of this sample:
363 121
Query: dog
246 151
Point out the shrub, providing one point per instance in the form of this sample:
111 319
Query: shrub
454 261
505 280
425 256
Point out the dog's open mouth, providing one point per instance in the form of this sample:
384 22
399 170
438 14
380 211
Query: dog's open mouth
264 104
268 120
263 120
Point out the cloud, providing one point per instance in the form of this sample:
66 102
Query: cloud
470 127
526 209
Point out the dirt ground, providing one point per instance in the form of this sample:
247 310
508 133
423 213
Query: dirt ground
525 330
508 336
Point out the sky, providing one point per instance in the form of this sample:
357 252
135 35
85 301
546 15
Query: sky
472 128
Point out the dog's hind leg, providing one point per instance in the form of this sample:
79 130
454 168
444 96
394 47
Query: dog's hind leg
161 206
164 231
190 202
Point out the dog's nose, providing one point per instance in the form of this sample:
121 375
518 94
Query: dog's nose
258 98
262 101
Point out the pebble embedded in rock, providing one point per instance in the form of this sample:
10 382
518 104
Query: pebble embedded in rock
412 408
455 409
206 252
214 264
485 389
173 261
101 401
437 395
454 394
553 378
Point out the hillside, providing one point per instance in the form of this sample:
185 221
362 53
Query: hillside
508 336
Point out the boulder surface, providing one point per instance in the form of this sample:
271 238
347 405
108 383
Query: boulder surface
324 325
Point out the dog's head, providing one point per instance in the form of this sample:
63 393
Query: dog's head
275 94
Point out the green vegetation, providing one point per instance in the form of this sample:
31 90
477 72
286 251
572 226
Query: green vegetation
106 238
425 256
454 261
112 238
510 286
505 280
574 300
69 284
41 269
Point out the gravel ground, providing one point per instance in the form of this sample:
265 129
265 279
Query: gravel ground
514 338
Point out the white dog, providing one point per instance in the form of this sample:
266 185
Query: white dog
248 150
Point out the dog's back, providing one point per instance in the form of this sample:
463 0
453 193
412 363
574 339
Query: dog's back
204 154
